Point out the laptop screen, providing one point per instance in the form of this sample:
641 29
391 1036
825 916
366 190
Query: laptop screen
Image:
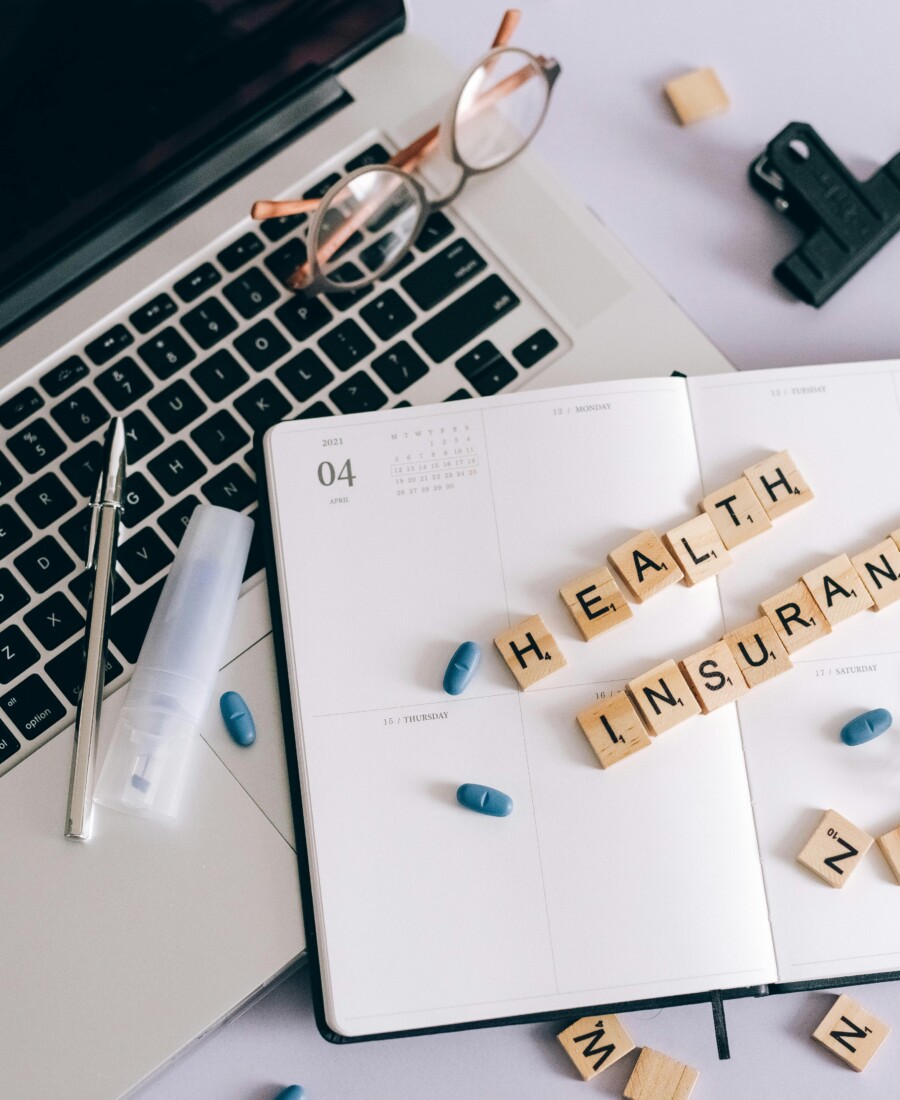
103 100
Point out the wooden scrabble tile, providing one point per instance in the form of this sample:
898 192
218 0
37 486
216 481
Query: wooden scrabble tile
663 697
697 95
779 484
851 1032
645 565
835 849
889 844
531 651
697 548
879 568
758 651
736 512
796 617
594 1043
658 1077
596 602
613 728
838 589
714 676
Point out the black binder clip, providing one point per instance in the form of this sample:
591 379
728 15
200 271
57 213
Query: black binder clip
845 222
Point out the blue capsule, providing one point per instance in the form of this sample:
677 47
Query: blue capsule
484 800
238 719
292 1092
462 668
866 727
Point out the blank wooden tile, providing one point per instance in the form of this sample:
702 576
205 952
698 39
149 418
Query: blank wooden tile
658 1077
594 1043
838 589
779 484
663 697
889 843
596 602
758 651
697 95
796 617
714 676
530 650
645 565
879 568
851 1032
613 728
697 548
835 849
736 512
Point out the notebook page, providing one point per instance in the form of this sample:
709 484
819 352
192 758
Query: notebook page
635 882
841 424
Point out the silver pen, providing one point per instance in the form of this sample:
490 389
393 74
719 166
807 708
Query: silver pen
106 511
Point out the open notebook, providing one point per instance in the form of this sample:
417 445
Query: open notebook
399 534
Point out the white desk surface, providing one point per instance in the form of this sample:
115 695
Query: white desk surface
679 199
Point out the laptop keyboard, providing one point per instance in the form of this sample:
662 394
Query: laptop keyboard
219 354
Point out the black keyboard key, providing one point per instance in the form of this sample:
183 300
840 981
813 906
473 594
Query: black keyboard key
220 375
220 436
209 323
140 499
465 318
175 521
16 654
153 313
32 707
141 436
9 475
8 744
276 228
486 369
45 500
54 621
79 414
481 356
432 281
318 408
44 563
243 249
123 383
13 531
375 255
176 468
400 367
535 348
303 316
67 671
35 445
284 261
177 406
77 532
20 407
251 293
344 299
304 375
255 558
358 393
231 488
322 187
192 286
80 587
437 228
128 626
262 405
59 379
166 353
408 405
13 596
375 154
458 395
262 345
108 345
387 315
143 555
346 344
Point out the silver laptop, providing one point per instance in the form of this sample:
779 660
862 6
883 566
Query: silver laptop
133 282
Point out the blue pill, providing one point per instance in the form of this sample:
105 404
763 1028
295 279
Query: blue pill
866 727
292 1092
462 668
238 719
484 800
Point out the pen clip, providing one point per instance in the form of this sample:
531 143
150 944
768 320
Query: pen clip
92 535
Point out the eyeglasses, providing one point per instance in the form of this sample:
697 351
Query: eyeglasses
376 212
